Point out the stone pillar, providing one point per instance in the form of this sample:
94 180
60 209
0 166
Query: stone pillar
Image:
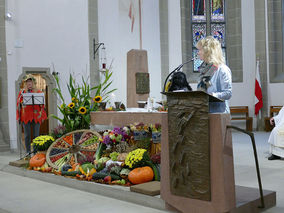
4 118
137 62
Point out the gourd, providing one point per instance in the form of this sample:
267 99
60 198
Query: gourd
37 160
72 173
141 175
155 170
102 175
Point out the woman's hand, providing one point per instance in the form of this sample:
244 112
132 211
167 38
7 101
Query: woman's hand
272 122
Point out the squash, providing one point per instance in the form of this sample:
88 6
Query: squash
141 175
37 160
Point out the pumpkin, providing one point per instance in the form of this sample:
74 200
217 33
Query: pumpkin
141 175
37 160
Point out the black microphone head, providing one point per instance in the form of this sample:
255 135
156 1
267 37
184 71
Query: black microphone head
179 82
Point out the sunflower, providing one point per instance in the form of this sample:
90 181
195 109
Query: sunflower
74 100
97 99
71 105
82 110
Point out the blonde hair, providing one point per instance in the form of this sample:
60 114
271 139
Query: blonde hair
212 50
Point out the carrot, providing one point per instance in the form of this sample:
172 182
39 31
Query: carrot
69 139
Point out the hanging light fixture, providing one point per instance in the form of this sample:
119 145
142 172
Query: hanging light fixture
103 59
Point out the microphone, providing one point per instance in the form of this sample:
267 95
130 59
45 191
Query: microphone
176 69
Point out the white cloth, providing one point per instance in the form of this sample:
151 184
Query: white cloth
276 138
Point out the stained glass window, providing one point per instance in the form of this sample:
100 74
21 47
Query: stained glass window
218 32
198 10
198 32
207 21
217 10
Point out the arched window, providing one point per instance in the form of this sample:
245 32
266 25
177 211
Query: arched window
207 19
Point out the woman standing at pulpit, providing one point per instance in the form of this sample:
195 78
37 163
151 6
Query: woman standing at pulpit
31 116
215 75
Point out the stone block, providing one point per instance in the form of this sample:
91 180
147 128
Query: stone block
137 62
151 188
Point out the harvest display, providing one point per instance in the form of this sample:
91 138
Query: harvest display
111 157
72 147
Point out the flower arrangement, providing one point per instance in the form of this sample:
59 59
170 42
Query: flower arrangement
76 114
136 158
139 127
140 131
115 136
42 143
156 127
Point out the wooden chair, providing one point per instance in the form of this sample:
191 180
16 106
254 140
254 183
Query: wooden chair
241 113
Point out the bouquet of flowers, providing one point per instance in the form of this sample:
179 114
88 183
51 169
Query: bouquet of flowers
156 127
140 131
136 158
115 136
76 114
139 127
42 143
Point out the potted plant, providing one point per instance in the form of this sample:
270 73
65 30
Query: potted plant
42 143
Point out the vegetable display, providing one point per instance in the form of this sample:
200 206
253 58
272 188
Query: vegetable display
80 145
111 157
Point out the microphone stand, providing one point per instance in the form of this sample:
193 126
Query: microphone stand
176 69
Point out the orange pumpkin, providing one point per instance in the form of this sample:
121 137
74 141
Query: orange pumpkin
141 175
37 160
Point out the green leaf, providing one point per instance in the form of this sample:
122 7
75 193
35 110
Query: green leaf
54 116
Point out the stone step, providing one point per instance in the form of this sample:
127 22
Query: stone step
247 198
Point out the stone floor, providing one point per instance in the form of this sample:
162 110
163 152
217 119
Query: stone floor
23 194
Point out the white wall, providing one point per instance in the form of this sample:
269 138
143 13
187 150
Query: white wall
115 33
51 31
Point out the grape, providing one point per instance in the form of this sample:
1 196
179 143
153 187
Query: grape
55 151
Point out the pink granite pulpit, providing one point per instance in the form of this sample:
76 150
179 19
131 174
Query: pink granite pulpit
197 173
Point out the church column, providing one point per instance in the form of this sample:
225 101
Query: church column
261 54
4 119
93 36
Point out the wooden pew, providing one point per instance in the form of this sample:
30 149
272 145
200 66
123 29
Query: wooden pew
274 110
241 113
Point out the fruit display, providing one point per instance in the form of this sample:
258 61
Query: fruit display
77 144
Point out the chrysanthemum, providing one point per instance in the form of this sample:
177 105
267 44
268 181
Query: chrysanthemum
98 99
82 110
71 105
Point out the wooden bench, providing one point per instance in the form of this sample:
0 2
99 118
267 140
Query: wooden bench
241 113
274 110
